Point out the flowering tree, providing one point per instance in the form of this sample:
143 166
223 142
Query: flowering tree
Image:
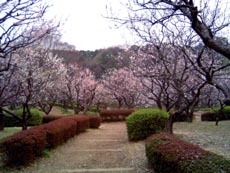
48 96
123 86
168 78
101 99
175 77
181 25
22 24
78 87
34 71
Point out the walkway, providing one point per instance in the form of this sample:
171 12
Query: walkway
103 150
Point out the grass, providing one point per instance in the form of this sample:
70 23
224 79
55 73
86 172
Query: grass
8 131
206 135
89 113
57 110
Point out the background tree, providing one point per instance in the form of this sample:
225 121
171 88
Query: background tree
185 24
35 70
208 20
124 87
22 24
78 87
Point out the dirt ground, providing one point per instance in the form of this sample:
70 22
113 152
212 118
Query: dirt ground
106 149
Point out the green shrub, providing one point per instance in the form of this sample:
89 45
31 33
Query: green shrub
211 116
93 109
226 113
88 113
145 122
167 153
36 118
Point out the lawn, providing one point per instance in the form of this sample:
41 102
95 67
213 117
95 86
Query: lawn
206 135
8 131
57 110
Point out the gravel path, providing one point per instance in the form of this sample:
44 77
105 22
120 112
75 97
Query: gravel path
102 150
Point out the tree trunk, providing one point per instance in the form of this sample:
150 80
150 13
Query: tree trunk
84 111
169 125
25 113
76 110
217 119
119 104
24 121
1 120
24 125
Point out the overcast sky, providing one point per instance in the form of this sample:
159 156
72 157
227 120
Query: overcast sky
85 27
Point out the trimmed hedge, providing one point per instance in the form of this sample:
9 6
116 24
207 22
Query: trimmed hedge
36 118
183 117
208 116
59 131
94 121
211 116
24 147
115 114
82 122
49 118
167 153
145 122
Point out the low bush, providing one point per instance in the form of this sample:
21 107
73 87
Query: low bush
167 153
23 147
36 118
211 116
49 118
59 131
208 116
145 122
225 114
82 122
115 114
94 121
183 117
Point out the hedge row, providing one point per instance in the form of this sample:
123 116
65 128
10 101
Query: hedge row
144 122
211 116
208 116
24 147
94 121
82 121
183 117
167 153
115 114
58 131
